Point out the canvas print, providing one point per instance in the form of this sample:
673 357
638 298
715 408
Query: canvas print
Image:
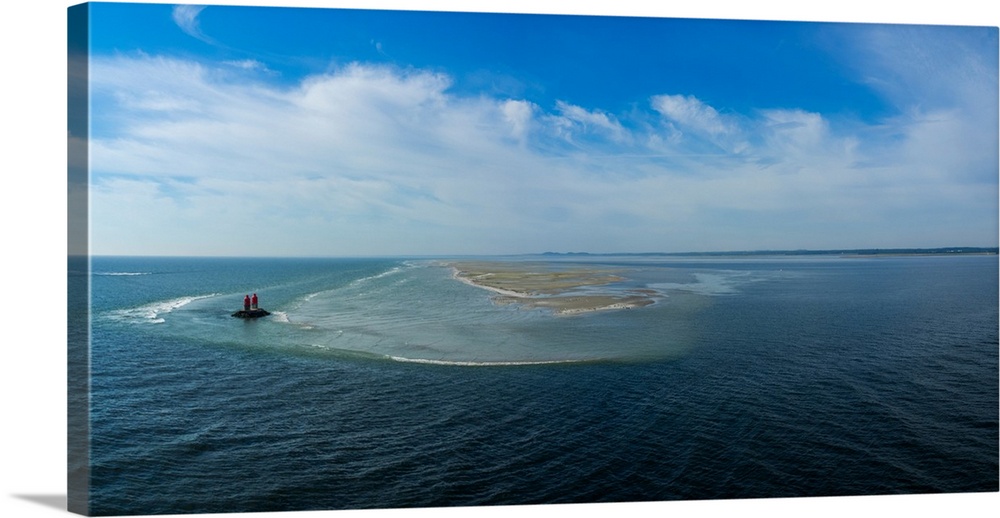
329 259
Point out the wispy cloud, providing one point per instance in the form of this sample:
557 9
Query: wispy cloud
386 160
690 112
250 65
575 120
932 67
186 17
690 118
378 48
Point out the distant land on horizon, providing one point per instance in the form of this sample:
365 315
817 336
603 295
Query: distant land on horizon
954 250
847 251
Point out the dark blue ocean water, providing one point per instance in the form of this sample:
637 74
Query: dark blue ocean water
386 383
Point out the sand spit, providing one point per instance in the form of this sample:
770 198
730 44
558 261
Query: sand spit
542 285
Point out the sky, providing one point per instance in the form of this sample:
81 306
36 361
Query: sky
267 131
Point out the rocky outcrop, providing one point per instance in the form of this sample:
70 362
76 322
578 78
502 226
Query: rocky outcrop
251 313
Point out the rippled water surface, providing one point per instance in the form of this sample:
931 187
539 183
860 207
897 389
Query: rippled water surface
387 383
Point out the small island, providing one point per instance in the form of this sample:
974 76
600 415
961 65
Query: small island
539 285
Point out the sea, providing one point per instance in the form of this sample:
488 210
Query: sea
387 383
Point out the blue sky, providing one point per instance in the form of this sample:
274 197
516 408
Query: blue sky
228 130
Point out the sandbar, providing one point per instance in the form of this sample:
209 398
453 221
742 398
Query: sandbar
554 287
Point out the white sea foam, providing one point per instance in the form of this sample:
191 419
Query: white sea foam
391 271
121 274
501 363
355 283
153 312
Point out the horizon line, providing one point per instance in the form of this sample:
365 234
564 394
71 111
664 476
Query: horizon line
800 251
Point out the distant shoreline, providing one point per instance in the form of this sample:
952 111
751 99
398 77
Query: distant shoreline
860 252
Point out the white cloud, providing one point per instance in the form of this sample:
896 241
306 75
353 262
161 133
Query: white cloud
688 118
519 114
690 112
929 68
371 159
796 133
943 82
251 65
572 119
186 17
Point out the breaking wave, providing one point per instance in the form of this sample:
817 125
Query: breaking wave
153 312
